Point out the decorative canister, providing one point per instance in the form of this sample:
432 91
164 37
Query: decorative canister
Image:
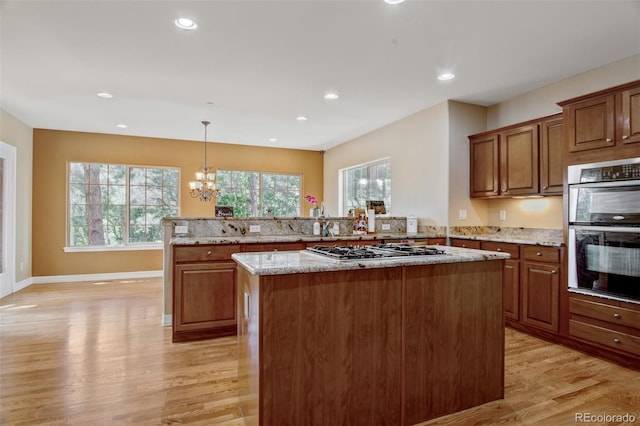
412 225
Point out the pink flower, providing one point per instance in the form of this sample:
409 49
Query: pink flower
312 200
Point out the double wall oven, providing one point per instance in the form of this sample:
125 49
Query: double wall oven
604 229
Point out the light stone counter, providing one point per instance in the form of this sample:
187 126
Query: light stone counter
292 238
533 236
292 262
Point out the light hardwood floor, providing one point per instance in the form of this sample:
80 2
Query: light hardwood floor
95 353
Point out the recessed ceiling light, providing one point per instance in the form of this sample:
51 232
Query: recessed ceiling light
104 94
301 118
186 23
393 1
446 76
273 139
122 126
331 96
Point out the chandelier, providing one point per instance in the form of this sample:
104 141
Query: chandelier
204 187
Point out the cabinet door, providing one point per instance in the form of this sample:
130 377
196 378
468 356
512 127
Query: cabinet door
540 292
590 123
204 297
484 166
519 161
511 289
551 147
629 121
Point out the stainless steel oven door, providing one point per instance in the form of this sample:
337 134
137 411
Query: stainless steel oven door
605 203
605 261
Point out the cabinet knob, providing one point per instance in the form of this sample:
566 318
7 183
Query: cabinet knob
544 187
553 271
625 136
209 253
538 254
464 246
608 140
616 316
498 249
616 340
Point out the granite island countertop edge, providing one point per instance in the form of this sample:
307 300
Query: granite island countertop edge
300 262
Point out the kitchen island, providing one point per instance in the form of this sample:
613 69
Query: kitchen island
392 341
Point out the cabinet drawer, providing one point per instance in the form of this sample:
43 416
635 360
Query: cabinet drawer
204 253
604 336
512 249
608 313
470 244
272 247
541 254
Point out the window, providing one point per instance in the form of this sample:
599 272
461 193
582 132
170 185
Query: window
117 205
255 194
371 181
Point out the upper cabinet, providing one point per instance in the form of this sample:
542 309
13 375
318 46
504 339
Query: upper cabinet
484 165
604 125
519 160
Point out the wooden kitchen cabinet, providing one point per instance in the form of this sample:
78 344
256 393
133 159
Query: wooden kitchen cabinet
204 292
510 277
604 125
540 283
551 155
608 325
485 165
518 160
470 244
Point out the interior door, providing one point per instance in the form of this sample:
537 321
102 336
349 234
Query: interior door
7 218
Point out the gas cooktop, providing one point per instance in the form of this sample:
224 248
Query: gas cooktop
374 251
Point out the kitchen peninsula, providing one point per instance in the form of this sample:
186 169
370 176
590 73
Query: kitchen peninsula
393 341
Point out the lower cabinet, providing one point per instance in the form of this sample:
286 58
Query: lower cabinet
204 300
530 283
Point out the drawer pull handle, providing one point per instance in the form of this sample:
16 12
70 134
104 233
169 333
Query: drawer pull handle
625 136
609 140
209 253
616 340
498 249
553 271
616 316
538 254
464 246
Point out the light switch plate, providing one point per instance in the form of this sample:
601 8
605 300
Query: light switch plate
386 227
181 229
462 214
503 215
254 228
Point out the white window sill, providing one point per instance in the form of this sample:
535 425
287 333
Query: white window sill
155 246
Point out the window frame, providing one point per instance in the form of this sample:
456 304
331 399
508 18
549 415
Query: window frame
261 189
342 182
127 245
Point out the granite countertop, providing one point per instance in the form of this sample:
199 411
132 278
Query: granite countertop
291 238
516 239
302 261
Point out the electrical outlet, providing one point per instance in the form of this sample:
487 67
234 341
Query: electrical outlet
254 228
503 215
181 229
462 214
386 227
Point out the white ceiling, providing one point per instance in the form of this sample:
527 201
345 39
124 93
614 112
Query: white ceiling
262 63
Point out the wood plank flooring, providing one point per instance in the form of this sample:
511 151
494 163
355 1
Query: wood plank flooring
95 353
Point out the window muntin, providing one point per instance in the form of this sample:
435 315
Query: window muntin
116 205
256 194
371 181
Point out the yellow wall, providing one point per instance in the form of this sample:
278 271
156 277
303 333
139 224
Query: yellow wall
52 150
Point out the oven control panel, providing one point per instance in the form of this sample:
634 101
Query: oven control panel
610 173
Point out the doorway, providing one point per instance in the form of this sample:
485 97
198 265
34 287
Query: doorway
7 218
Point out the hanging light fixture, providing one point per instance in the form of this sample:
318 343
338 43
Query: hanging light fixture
204 187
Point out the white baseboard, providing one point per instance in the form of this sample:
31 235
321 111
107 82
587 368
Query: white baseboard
167 320
23 284
52 279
